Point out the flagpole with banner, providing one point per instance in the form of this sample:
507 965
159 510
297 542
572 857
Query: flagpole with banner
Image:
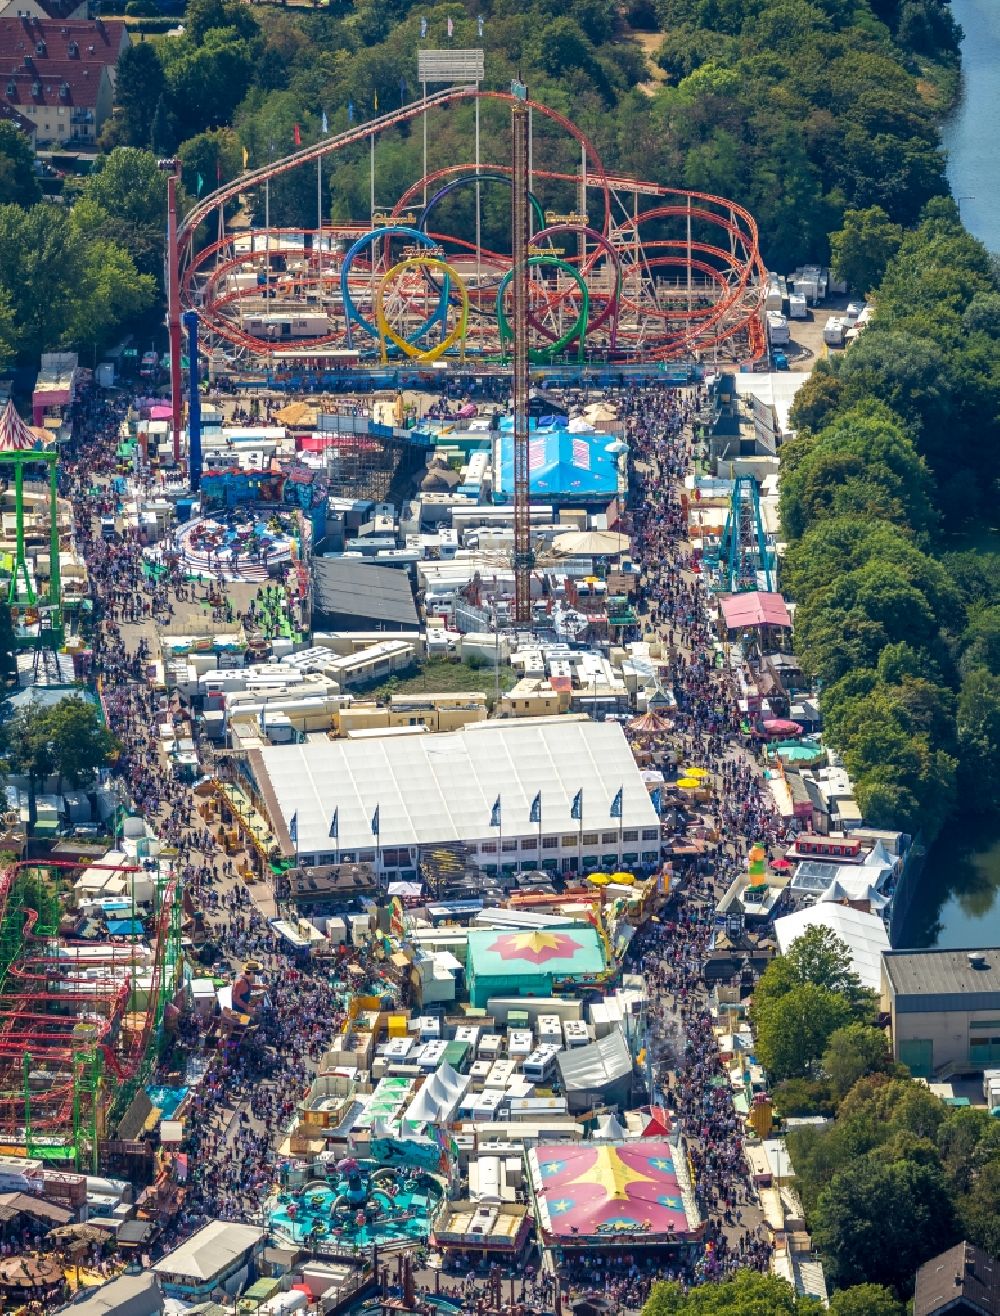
496 820
377 833
293 834
577 812
536 816
335 833
618 811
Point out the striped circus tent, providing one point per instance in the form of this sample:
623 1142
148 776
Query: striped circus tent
15 436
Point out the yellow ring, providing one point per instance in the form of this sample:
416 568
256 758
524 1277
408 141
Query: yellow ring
386 332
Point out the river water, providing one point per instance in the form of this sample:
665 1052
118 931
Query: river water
970 133
957 898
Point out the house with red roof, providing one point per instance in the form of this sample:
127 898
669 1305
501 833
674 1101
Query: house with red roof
60 76
60 10
97 41
65 101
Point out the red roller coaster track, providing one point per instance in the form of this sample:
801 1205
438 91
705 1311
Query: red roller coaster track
713 304
43 1005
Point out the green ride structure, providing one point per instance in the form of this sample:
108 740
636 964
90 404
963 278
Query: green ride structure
19 450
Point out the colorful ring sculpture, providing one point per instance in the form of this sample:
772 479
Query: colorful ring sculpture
351 312
578 330
386 332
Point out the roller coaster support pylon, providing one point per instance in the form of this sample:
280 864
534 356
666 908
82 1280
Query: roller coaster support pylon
172 169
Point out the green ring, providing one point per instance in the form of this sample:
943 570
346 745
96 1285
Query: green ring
579 330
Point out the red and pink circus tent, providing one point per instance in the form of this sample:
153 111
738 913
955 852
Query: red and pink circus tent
630 1191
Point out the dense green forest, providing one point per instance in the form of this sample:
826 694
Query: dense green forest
896 458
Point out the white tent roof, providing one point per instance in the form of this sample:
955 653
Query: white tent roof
609 1130
208 1252
438 1099
435 789
864 935
593 1067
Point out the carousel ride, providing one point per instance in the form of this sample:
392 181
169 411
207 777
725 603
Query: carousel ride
358 1203
620 270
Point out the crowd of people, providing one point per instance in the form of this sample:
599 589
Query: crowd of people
246 1097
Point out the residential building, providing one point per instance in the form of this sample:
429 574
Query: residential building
964 1281
66 100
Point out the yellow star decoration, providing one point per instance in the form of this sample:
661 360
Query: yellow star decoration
534 941
611 1173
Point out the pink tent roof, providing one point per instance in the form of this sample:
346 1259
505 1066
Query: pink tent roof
610 1190
14 434
754 609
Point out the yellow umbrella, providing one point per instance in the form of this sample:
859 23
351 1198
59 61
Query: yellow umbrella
688 783
696 772
599 879
623 879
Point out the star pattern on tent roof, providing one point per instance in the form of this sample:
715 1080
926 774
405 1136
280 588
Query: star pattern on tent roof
536 947
612 1174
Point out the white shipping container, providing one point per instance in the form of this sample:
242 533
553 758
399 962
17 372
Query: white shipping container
777 329
798 308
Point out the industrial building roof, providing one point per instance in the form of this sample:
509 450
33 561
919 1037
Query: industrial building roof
208 1252
355 588
442 788
949 976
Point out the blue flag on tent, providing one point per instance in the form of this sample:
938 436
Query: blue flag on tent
616 803
335 824
293 828
577 810
536 808
495 813
350 111
656 798
375 823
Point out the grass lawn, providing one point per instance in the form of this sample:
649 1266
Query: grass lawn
444 676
